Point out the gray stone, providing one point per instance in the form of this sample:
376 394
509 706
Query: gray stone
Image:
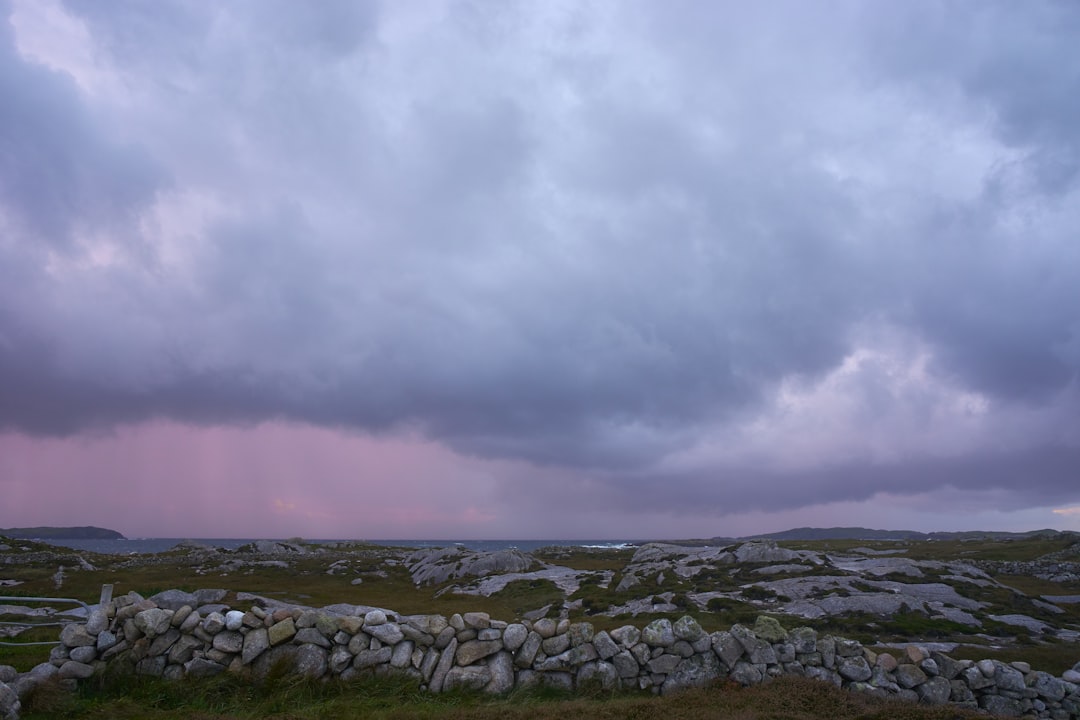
998 705
474 650
76 670
446 661
10 705
514 636
489 634
474 677
174 599
581 633
208 596
687 628
960 692
571 658
804 639
628 636
908 676
184 649
97 620
388 633
558 680
428 662
311 635
745 674
827 648
664 664
75 635
339 659
658 633
1049 686
757 650
935 691
605 646
213 623
625 664
59 655
228 641
695 671
189 623
727 647
234 620
824 674
975 679
599 672
8 673
152 666
555 645
545 627
947 667
106 639
501 667
281 632
525 655
848 648
374 617
83 654
854 668
477 620
402 654
681 648
256 642
1008 678
310 661
371 658
201 667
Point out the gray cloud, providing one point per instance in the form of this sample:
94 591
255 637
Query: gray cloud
595 237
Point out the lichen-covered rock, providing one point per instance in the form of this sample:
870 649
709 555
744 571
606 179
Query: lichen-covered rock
10 705
935 691
854 668
769 629
501 667
694 671
658 633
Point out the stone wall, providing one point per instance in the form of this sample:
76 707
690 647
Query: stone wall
177 634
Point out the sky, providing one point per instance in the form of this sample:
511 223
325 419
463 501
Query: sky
561 269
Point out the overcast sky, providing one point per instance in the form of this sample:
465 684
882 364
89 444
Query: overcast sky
539 269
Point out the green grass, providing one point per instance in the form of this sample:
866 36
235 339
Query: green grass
227 698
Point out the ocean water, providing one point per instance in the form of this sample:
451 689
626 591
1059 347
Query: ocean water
141 546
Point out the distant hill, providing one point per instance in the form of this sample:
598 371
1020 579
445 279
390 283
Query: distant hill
843 533
62 533
861 533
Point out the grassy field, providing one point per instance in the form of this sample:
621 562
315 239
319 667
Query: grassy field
385 582
280 699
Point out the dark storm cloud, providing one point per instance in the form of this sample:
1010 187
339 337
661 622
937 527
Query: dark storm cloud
594 237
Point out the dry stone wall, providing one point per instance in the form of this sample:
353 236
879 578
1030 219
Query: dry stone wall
177 634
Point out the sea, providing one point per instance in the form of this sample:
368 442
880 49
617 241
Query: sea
145 546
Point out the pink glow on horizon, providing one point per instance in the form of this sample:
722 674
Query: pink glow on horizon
271 480
279 480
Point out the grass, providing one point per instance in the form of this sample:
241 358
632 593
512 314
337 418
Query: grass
228 698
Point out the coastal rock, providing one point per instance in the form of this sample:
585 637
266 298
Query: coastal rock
432 567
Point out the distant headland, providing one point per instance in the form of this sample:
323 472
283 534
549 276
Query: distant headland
62 533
